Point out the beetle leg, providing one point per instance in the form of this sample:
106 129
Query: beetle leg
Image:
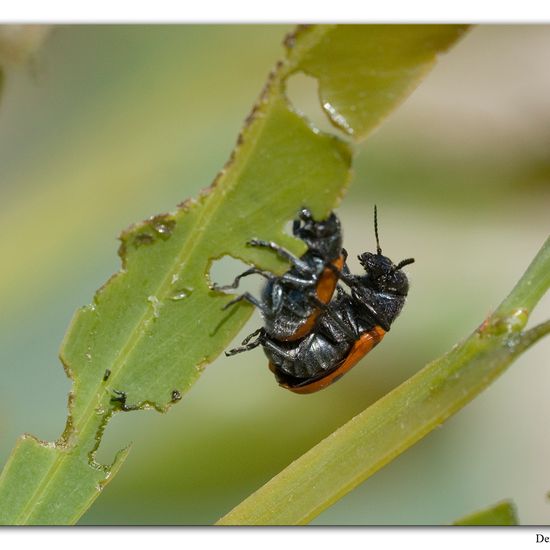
250 336
344 274
294 260
295 281
340 292
235 283
249 298
280 296
246 344
285 353
351 322
327 310
276 297
380 318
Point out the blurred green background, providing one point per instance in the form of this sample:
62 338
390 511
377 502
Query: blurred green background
108 125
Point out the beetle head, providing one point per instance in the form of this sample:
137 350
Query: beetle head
383 275
323 237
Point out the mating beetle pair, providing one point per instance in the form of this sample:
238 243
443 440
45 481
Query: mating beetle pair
310 337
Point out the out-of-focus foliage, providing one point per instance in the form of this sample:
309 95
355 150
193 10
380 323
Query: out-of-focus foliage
401 418
19 43
502 513
155 325
474 165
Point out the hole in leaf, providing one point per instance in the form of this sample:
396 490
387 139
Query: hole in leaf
288 228
302 92
224 270
122 430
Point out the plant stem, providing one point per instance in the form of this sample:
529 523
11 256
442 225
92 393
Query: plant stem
531 287
401 418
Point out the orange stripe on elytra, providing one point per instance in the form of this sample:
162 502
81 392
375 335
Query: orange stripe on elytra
362 346
324 291
328 281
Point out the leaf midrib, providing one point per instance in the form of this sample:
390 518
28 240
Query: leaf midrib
209 210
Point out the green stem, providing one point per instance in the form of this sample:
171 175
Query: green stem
401 418
531 287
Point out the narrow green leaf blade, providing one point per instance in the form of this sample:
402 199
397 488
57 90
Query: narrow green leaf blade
154 325
502 513
50 502
401 418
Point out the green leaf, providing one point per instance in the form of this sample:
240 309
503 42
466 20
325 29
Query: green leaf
34 460
404 416
156 324
386 61
502 513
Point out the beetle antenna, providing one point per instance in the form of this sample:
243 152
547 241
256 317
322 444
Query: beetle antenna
403 263
378 249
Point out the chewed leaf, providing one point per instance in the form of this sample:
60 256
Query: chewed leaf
387 62
33 459
156 324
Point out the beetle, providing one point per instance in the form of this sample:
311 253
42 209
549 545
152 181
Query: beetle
291 303
346 330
